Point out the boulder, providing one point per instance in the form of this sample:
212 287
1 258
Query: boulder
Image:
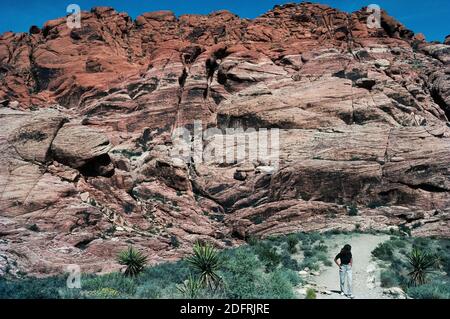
33 139
77 145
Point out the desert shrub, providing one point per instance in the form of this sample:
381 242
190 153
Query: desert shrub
389 279
352 210
32 288
126 286
308 253
433 290
252 241
191 287
405 229
398 242
422 243
292 241
399 264
167 273
311 238
310 294
150 290
67 293
311 263
174 241
323 257
328 263
333 232
292 276
443 256
279 285
158 290
289 263
103 293
374 204
321 247
242 281
206 263
383 251
160 281
268 255
134 260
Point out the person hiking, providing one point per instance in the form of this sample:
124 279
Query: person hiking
344 260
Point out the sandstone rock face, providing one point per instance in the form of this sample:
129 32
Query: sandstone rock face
87 164
83 148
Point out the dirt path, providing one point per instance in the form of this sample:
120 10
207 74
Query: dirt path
365 270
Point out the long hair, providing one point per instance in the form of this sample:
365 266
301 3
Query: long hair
346 250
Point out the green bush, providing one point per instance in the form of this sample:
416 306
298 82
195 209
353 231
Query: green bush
268 255
311 263
265 269
310 294
289 263
157 290
352 210
126 286
279 285
389 279
308 253
434 290
191 288
174 241
243 274
398 243
32 288
292 276
242 281
103 293
321 247
167 273
292 241
384 251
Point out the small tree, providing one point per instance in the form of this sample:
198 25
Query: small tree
206 262
421 264
133 259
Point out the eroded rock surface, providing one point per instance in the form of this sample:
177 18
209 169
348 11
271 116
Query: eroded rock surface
86 117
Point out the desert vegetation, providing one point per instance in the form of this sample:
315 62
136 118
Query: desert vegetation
207 273
261 269
420 266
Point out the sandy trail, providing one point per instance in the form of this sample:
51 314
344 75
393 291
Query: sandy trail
365 270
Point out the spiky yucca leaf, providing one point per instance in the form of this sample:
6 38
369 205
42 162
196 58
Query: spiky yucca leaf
133 259
206 262
421 264
190 288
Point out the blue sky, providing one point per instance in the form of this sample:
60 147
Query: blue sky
429 17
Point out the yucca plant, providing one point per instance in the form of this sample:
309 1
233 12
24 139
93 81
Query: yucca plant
191 288
421 264
206 262
134 260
